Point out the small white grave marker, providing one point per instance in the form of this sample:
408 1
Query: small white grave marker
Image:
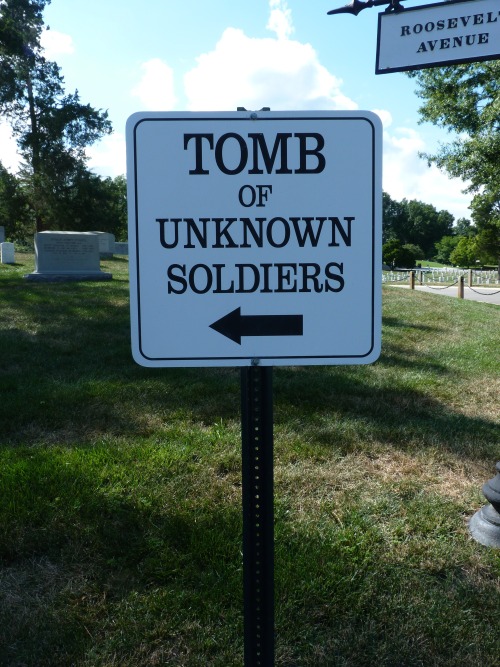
106 244
7 253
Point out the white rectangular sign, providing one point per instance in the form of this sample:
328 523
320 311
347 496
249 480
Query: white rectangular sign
437 35
255 237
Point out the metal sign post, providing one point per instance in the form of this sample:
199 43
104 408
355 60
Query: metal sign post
258 515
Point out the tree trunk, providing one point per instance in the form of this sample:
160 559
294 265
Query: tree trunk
35 156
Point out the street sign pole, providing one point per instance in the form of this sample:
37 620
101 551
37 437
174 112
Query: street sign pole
255 241
258 515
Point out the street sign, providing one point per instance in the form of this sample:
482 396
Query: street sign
254 237
437 35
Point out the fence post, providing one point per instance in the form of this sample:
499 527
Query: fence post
412 279
461 287
470 277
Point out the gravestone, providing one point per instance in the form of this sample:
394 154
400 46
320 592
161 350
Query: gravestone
2 233
121 248
106 244
7 253
65 256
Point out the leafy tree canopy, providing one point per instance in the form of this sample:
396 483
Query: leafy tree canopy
396 254
465 100
21 23
464 227
14 214
445 247
52 128
415 223
465 253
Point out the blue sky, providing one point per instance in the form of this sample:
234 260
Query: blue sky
184 55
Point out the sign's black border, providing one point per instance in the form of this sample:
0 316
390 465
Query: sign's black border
262 117
437 63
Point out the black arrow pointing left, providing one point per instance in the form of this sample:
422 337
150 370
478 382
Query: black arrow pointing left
234 325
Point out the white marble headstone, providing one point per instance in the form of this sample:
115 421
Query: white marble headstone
106 244
7 253
121 248
67 256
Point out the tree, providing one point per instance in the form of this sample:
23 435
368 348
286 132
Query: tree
21 24
464 227
426 225
444 248
14 214
486 213
394 217
415 250
466 253
415 223
117 211
95 204
465 100
52 129
394 253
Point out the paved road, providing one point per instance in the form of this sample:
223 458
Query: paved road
486 294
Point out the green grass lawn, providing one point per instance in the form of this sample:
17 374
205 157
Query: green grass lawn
120 492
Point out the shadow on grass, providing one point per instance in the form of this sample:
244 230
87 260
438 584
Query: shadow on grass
396 322
67 375
343 413
100 577
89 573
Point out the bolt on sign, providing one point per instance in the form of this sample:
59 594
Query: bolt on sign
439 34
255 238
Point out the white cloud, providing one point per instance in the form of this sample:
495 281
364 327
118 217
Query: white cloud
56 43
280 19
156 87
9 156
406 175
286 74
385 117
107 157
253 72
